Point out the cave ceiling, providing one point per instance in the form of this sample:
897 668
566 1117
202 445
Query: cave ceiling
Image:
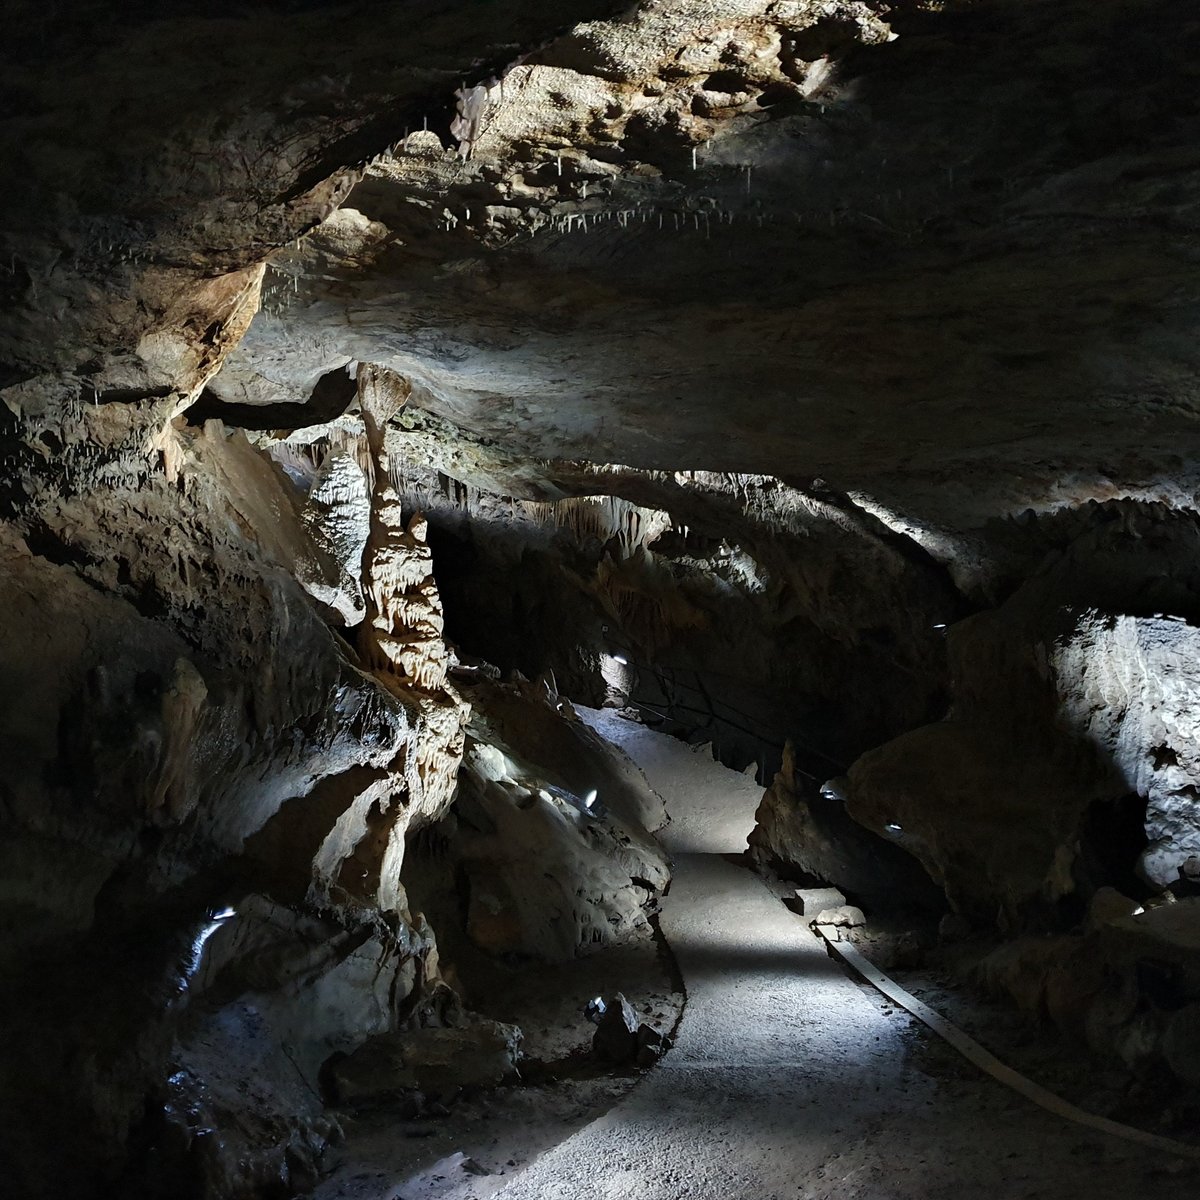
941 256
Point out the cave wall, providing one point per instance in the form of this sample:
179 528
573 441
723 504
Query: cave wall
239 715
747 611
1068 759
193 738
1060 757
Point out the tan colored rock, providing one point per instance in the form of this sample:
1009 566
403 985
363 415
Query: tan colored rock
402 635
616 1036
844 916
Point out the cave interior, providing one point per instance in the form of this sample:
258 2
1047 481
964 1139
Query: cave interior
489 487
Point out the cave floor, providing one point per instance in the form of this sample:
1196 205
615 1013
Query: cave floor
788 1077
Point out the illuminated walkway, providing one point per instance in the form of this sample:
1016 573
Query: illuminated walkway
788 1080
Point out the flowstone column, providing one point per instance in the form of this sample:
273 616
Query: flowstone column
401 639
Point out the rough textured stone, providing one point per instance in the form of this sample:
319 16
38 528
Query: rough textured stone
1167 934
338 511
435 1064
521 800
947 370
1070 712
811 901
616 1037
846 916
191 710
651 1046
802 831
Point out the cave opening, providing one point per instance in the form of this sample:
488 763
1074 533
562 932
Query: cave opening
583 583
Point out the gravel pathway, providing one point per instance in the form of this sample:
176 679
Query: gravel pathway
789 1079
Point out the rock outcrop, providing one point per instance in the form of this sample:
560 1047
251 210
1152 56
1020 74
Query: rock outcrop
1068 760
537 786
195 738
803 832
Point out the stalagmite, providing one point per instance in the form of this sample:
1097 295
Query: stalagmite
402 635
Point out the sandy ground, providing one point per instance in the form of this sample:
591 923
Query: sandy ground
789 1078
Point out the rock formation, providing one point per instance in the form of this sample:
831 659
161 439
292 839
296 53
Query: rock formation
538 786
815 377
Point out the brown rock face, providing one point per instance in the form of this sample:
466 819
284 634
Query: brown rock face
194 740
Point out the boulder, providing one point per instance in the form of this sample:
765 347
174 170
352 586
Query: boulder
651 1045
1019 969
1070 727
536 788
846 916
1165 934
433 1063
616 1036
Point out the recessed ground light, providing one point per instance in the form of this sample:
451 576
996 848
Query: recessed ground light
892 827
620 658
1137 912
589 799
939 627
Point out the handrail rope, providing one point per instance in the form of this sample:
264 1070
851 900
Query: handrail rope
989 1063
